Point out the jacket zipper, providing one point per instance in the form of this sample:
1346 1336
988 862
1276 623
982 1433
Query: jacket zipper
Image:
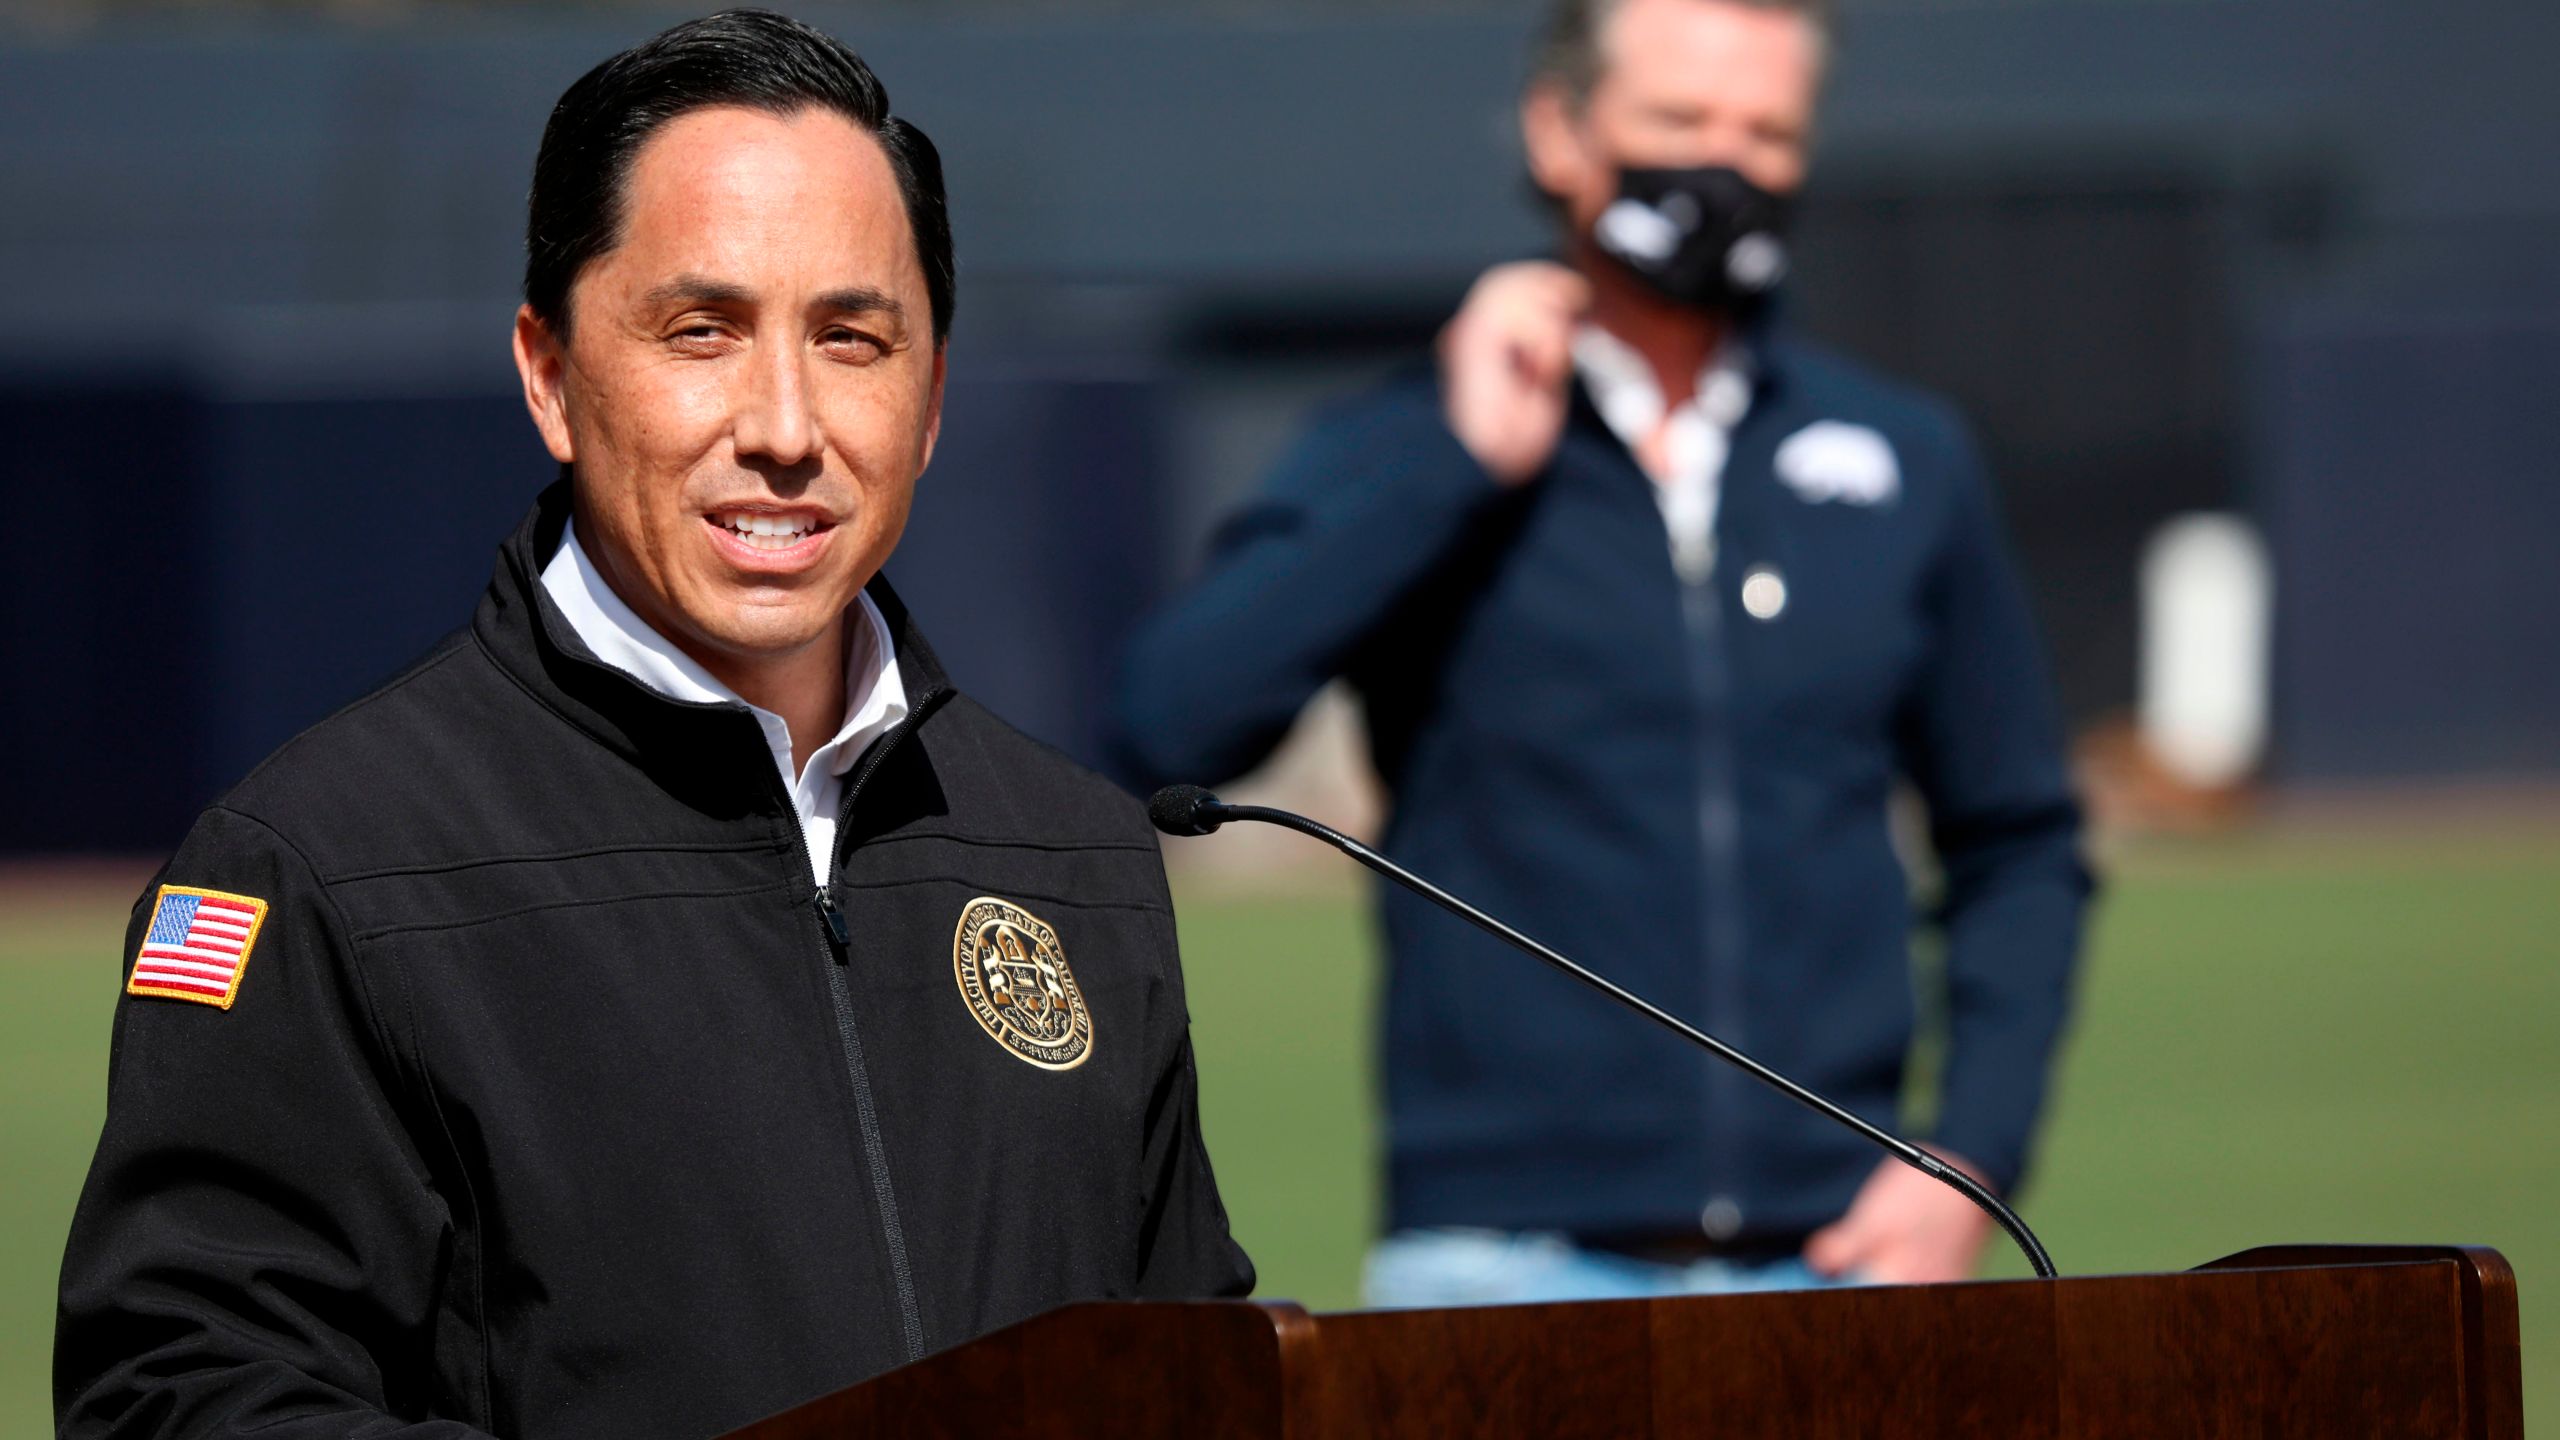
1719 833
836 942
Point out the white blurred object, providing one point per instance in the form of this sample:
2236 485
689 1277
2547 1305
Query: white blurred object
1835 460
2208 606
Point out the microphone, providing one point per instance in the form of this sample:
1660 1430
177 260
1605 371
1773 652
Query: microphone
1189 810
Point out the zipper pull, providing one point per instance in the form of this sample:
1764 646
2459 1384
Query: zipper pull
837 930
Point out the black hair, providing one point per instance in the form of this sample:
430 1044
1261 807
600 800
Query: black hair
750 58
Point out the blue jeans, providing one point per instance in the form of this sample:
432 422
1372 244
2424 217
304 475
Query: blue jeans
1443 1267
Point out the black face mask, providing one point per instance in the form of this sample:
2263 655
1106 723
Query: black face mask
1704 236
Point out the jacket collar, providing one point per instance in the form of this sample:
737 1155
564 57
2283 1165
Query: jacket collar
1764 344
523 631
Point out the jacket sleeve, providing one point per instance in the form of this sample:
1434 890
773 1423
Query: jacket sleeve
256 1250
1185 1250
1369 502
1984 744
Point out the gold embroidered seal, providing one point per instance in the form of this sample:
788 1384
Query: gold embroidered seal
1013 974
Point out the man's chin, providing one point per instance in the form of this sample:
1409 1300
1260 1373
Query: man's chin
759 636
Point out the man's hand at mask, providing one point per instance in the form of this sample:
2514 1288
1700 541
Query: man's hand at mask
1506 363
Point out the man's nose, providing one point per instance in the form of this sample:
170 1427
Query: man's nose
774 419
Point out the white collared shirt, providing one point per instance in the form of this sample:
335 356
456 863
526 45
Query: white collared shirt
1698 434
875 698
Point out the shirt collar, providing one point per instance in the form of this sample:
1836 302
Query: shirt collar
875 697
1622 387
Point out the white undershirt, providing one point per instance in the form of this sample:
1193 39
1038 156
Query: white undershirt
875 698
1697 435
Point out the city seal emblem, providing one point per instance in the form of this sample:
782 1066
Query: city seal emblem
1013 974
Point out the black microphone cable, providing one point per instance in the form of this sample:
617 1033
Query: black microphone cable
1189 810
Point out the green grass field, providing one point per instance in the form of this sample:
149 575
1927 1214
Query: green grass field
2317 1039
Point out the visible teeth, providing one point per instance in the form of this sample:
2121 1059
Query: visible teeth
768 532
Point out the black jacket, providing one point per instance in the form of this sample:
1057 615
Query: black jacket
549 1105
1682 783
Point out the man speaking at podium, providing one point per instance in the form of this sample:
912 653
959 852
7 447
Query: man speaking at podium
1651 605
669 1000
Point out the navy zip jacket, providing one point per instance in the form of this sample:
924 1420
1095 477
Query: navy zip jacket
1652 777
553 1100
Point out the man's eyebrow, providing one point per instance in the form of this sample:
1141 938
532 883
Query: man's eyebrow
863 299
699 290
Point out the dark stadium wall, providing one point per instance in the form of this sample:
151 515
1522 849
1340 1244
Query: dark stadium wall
109 654
2286 254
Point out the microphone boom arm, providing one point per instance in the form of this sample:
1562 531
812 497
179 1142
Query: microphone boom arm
1212 812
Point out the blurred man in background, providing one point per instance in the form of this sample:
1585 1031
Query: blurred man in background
1651 606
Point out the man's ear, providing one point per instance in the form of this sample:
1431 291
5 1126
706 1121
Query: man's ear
541 360
1558 163
933 403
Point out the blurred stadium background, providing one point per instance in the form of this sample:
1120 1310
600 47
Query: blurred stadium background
2290 262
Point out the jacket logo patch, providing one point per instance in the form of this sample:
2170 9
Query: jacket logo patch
1013 974
1834 460
197 945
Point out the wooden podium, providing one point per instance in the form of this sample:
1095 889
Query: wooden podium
2322 1343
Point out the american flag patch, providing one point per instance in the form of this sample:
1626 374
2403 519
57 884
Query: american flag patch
197 945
